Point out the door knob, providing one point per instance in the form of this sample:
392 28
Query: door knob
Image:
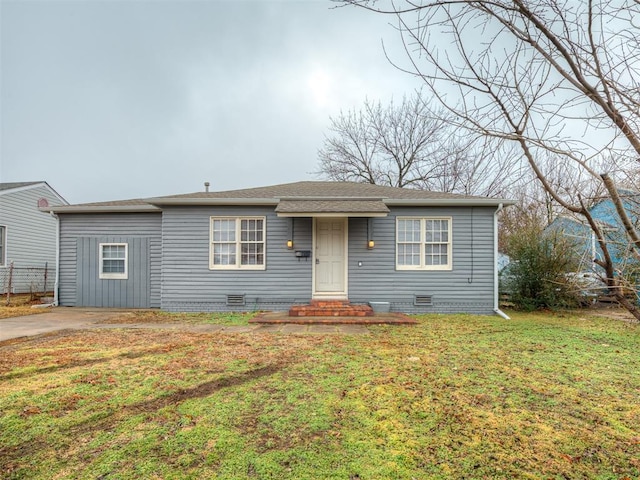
317 261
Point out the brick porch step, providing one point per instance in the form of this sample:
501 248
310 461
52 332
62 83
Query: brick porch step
282 318
330 308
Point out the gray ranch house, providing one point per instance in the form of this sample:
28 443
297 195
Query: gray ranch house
272 247
27 236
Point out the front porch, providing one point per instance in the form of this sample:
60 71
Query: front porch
333 312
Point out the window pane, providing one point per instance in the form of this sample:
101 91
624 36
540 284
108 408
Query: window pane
113 251
251 230
224 230
252 254
444 226
113 266
436 254
408 254
408 230
224 254
437 231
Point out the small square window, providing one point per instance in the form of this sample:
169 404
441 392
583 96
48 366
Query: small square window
113 261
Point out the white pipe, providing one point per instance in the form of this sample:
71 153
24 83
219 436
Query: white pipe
496 284
55 285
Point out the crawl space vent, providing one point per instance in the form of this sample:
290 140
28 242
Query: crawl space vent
422 300
235 300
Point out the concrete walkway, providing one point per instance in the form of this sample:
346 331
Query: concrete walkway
74 318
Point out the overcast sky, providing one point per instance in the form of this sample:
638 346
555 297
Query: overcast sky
127 99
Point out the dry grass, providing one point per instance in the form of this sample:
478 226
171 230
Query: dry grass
19 305
540 396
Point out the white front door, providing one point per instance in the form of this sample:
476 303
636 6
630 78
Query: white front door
330 253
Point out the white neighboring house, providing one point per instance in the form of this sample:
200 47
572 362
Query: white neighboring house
28 236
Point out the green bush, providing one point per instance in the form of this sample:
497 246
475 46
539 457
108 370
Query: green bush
537 275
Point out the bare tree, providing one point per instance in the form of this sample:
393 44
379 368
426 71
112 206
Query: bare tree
411 145
560 79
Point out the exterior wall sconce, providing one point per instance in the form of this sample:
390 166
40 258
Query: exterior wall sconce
371 244
290 236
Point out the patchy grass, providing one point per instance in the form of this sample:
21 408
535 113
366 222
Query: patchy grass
157 316
18 306
540 396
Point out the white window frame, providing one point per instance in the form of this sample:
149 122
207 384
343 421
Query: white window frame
114 275
238 224
423 243
3 242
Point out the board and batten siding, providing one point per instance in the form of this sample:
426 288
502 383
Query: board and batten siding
80 236
30 235
189 285
468 287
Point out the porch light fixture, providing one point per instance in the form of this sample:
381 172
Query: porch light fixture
370 242
291 227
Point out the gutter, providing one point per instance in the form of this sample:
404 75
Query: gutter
102 209
448 202
57 282
496 283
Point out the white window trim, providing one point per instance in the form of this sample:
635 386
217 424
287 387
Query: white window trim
112 275
3 257
423 265
238 265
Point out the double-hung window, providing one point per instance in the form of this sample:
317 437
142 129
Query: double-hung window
113 261
237 243
423 243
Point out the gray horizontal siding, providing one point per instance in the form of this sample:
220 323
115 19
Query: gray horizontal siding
178 245
189 284
80 233
31 234
468 287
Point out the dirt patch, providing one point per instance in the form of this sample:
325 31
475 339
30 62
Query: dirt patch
614 314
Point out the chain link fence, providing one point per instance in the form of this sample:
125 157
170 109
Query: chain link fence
36 281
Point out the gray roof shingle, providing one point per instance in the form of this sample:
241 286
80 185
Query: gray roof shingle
298 198
320 189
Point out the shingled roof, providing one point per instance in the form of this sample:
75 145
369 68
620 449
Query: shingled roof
301 198
316 189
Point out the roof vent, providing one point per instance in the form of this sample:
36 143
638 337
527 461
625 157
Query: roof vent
422 300
235 300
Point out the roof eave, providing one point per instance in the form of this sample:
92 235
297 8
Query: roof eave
31 186
331 214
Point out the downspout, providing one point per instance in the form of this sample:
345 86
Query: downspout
496 284
55 285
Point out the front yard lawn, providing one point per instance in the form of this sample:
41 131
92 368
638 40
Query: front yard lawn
539 396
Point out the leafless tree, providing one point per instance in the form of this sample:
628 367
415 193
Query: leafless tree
412 145
558 78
